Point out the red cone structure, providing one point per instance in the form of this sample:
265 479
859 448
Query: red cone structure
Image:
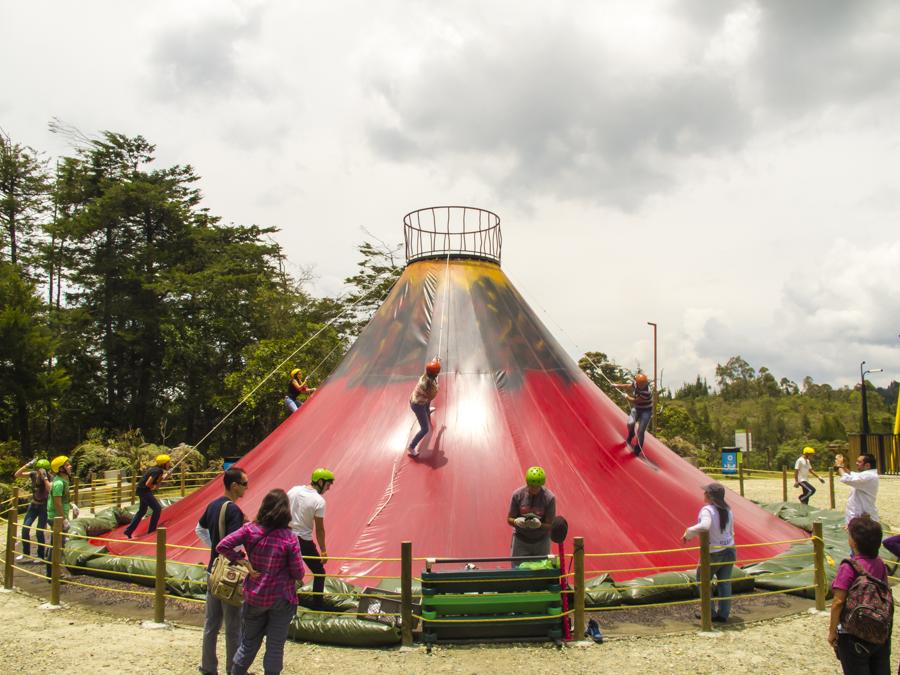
510 397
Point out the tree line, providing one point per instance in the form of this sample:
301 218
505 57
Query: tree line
127 305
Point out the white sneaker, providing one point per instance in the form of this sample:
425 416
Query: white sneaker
20 558
413 452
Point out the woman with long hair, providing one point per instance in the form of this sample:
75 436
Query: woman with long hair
715 517
274 567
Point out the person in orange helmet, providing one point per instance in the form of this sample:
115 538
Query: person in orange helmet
420 402
641 399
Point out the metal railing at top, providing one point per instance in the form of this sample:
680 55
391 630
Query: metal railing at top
452 232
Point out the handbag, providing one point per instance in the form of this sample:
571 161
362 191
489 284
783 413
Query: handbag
226 579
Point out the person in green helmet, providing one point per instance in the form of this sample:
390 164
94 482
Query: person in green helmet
531 513
39 476
308 514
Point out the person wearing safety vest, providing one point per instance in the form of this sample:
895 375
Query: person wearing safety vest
802 469
296 388
308 514
532 509
147 485
420 402
37 509
641 400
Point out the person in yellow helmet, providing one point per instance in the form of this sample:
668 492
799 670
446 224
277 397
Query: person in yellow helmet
296 388
150 481
802 469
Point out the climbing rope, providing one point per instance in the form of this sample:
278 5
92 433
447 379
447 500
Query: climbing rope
534 301
277 369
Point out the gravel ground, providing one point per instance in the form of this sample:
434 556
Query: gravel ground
82 640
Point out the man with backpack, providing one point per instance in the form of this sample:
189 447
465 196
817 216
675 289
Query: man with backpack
862 612
221 517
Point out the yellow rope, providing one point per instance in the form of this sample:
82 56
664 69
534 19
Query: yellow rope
34 574
662 550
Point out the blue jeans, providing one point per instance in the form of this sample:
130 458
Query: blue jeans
642 416
257 623
216 612
148 501
722 588
292 405
422 410
39 512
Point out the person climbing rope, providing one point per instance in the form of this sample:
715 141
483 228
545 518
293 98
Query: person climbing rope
420 402
532 510
641 399
296 388
802 469
147 485
308 514
37 509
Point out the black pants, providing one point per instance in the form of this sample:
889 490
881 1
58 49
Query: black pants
859 657
808 491
148 501
308 548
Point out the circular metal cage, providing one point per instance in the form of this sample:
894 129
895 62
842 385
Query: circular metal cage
452 231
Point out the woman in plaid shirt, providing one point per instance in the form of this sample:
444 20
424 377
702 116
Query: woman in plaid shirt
270 589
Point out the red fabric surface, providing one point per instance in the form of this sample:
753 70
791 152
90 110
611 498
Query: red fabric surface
510 398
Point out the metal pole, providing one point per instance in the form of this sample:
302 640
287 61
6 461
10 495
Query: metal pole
578 623
819 550
831 485
159 600
705 584
741 477
783 483
55 560
406 593
865 409
655 385
12 520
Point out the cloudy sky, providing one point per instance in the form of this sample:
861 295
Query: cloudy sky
729 170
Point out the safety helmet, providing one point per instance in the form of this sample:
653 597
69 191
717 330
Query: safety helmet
809 451
640 379
535 476
322 474
42 464
433 367
163 459
58 463
295 372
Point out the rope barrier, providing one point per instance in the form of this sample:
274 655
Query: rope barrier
662 550
505 619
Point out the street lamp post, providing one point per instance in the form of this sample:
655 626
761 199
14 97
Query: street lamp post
655 387
865 407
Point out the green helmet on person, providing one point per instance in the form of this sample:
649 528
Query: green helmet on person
324 475
42 464
535 476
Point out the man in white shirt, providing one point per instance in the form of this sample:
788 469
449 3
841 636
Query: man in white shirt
864 486
802 469
308 513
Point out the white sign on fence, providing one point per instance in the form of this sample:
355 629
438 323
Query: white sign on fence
743 439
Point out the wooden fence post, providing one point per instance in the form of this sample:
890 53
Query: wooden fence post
92 488
159 600
56 560
831 485
134 480
783 483
819 550
578 621
705 584
741 477
182 480
119 490
12 521
406 593
76 484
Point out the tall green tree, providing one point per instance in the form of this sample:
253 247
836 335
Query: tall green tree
26 347
24 197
